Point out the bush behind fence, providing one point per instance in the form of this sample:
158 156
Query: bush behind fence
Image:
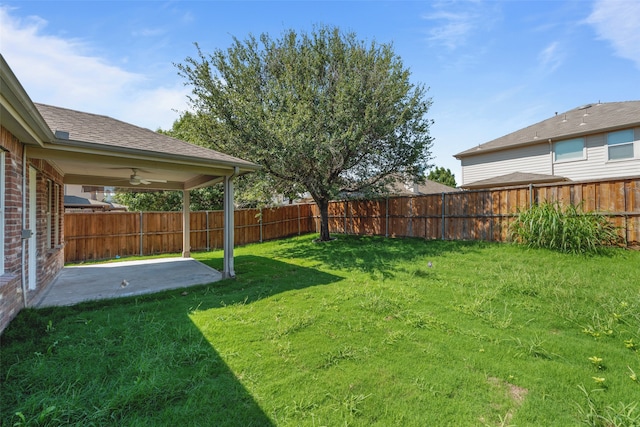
467 215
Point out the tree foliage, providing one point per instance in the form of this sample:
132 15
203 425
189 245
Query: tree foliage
202 199
443 176
321 112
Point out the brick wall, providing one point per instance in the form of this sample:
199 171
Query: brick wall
50 254
11 298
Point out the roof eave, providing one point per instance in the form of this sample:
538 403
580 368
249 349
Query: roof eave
19 114
98 149
542 140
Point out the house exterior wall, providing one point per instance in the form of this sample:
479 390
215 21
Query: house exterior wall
50 257
11 299
50 253
530 159
539 159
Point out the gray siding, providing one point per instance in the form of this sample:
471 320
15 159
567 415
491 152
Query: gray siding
537 159
597 165
530 159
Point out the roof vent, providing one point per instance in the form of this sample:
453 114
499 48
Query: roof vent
60 134
584 107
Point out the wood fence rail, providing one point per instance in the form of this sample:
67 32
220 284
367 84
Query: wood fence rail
465 215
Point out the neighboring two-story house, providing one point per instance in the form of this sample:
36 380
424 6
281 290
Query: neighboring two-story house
591 142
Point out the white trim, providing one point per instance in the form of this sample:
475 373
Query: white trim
32 216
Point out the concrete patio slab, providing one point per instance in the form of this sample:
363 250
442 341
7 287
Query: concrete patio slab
80 283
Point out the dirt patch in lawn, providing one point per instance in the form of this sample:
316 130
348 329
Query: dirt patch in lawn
516 394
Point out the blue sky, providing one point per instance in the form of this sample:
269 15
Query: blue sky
492 67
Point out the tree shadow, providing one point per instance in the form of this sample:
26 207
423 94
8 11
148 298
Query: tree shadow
373 254
139 359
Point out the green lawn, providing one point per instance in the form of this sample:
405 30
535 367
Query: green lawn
358 331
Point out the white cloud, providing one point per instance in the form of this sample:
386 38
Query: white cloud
453 29
455 22
63 72
551 57
618 21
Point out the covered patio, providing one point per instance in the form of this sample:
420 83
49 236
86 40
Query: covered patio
90 149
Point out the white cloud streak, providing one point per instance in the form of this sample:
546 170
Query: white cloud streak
618 22
551 57
455 22
63 72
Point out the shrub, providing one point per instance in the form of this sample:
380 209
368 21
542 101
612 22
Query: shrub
566 229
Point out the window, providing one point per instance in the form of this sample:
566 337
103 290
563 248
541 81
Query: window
570 149
53 214
56 215
2 197
620 144
48 212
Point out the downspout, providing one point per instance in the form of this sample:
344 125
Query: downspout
551 156
23 272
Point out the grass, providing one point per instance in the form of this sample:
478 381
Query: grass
359 331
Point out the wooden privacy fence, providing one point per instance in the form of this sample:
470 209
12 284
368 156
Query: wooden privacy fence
104 235
483 214
464 215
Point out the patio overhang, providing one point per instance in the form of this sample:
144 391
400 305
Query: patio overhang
91 149
109 165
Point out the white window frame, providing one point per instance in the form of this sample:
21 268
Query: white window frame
3 196
567 157
625 144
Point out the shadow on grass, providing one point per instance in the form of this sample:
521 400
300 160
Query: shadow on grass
371 254
137 360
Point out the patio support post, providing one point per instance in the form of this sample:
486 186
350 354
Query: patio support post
186 224
227 268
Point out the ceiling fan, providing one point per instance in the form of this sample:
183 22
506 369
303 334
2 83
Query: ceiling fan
136 179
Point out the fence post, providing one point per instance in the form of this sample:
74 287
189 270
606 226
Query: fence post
530 195
260 221
207 230
410 217
443 227
346 206
299 227
386 215
626 214
141 234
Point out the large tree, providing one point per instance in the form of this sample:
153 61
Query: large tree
321 111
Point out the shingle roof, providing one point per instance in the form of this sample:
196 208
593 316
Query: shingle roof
429 187
515 178
109 132
588 119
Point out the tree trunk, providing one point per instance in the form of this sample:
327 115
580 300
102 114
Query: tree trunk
323 205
